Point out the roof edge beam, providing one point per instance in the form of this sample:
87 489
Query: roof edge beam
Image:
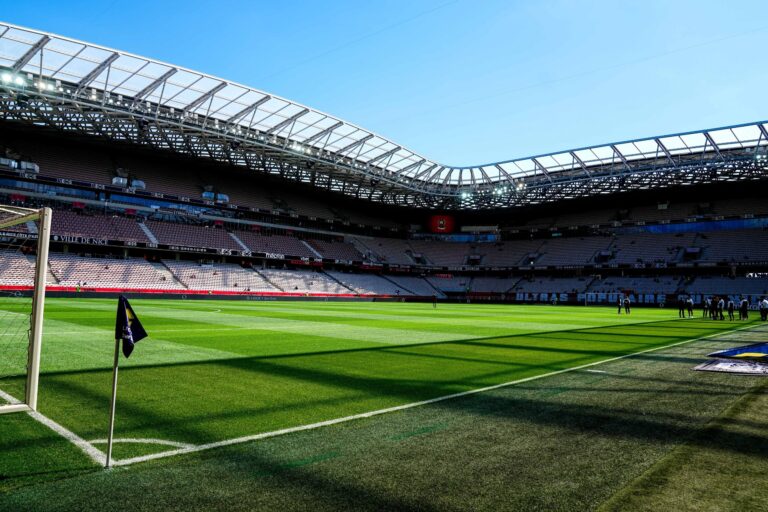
24 59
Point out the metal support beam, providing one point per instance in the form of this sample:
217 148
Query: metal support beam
542 169
763 131
24 59
581 163
250 108
205 97
95 72
665 151
712 142
384 155
322 133
409 167
620 155
423 172
355 144
150 88
282 124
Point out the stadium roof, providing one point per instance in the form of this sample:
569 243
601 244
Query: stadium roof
69 85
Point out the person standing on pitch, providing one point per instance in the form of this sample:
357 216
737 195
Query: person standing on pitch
626 304
620 304
764 309
690 307
434 301
731 307
705 307
680 307
720 308
744 309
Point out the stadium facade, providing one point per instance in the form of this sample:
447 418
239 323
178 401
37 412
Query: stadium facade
152 168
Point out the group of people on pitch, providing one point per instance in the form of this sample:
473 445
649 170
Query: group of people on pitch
625 303
715 307
685 306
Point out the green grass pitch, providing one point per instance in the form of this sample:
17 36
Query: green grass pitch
217 370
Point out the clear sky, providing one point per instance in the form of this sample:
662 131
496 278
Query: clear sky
462 82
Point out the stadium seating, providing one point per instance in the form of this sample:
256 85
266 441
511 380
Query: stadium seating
492 284
728 285
336 250
303 282
368 284
552 284
510 253
192 236
67 223
72 270
16 269
441 253
416 285
636 284
278 244
734 246
571 251
458 284
219 277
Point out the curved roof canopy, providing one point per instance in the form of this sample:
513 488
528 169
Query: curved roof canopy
70 84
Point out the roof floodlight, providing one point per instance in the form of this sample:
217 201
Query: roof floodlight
7 78
19 81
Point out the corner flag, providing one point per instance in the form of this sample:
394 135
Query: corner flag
129 330
127 326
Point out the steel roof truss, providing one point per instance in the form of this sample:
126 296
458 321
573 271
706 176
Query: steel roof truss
384 155
581 163
204 97
664 149
322 133
95 72
542 169
29 54
285 122
712 142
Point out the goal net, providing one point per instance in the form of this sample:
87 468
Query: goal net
24 238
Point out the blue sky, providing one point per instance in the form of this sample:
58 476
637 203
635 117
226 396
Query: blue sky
462 82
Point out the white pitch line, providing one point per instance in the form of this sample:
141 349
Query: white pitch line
94 453
139 440
336 421
596 371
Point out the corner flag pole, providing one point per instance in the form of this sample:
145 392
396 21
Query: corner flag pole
112 405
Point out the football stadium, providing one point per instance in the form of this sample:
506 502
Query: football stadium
318 317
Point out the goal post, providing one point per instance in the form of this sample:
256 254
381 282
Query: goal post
24 239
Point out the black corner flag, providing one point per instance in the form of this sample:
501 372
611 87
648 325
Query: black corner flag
127 326
129 330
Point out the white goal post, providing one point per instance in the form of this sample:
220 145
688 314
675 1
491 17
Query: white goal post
24 239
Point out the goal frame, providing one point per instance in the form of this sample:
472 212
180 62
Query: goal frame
43 218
